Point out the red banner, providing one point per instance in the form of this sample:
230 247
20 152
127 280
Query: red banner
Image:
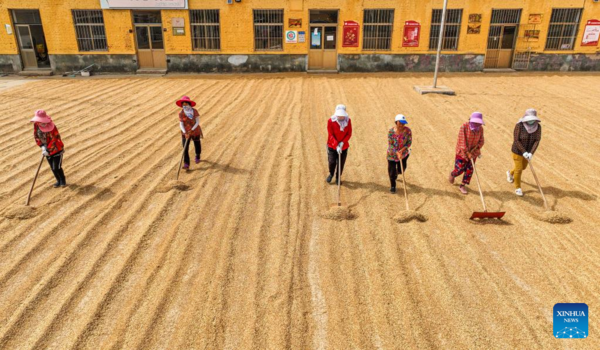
591 33
351 30
412 32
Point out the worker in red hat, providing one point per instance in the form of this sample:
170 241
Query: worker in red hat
189 123
48 139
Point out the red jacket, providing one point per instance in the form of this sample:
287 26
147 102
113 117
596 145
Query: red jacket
336 135
50 139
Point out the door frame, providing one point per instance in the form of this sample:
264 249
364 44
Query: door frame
489 53
18 39
151 49
492 56
323 26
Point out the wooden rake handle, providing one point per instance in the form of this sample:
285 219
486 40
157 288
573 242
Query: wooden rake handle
187 143
339 169
404 183
538 184
34 179
478 185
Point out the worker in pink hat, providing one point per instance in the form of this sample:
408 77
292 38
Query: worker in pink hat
48 139
468 147
189 123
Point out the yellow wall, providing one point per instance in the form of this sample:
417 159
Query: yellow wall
237 26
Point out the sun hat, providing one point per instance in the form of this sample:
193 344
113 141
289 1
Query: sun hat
42 117
530 115
185 99
401 118
340 113
340 107
477 117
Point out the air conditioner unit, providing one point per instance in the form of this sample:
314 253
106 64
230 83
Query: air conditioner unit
229 2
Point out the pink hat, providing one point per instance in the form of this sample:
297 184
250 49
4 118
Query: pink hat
42 117
185 99
477 117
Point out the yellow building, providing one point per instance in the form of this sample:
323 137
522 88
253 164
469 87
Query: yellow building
42 36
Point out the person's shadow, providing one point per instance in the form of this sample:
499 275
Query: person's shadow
551 193
373 187
208 167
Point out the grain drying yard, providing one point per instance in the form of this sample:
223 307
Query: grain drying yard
240 255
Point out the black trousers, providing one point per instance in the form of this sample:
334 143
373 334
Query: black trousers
394 169
197 146
55 162
333 159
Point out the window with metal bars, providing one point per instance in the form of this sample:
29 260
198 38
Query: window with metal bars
505 16
377 29
451 29
206 31
268 30
562 32
89 28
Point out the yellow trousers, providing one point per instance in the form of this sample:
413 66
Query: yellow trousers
520 165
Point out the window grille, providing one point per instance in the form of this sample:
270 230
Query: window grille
268 30
89 28
506 16
562 32
206 31
377 29
451 29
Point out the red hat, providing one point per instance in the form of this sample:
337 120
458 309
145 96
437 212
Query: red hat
42 117
185 99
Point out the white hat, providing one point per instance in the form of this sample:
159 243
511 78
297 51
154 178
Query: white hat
530 115
340 107
340 113
401 118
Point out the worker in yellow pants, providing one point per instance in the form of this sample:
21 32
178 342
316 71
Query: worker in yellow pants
527 136
520 165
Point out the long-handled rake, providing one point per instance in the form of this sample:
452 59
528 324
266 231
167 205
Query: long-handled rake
538 184
34 179
339 170
485 214
187 143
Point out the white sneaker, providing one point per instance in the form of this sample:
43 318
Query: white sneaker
509 177
519 192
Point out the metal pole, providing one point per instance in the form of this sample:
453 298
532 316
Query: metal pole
439 49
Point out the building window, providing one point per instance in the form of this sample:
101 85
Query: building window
268 30
562 32
451 29
206 33
377 29
89 28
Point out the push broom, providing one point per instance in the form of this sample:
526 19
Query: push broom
485 214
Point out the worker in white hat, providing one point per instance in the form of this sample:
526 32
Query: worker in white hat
339 130
399 143
527 137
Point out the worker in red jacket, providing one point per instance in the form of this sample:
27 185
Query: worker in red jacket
48 139
339 128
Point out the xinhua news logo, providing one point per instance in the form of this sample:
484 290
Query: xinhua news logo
570 321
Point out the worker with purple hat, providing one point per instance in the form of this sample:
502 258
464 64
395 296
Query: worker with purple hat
189 124
468 147
47 137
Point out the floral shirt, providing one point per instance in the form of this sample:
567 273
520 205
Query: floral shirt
397 142
469 140
50 139
188 123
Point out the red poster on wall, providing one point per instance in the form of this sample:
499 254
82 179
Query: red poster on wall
591 33
351 29
412 31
